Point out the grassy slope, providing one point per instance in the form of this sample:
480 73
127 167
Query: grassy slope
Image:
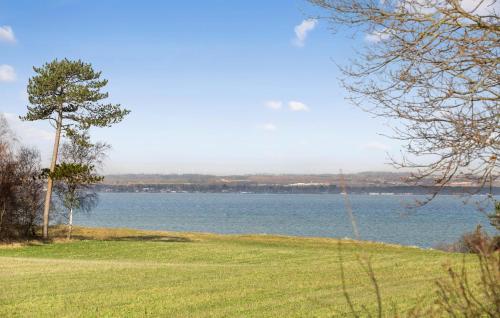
136 273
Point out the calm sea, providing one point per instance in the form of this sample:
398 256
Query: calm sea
382 218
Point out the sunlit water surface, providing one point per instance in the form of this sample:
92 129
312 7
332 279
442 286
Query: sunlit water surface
382 218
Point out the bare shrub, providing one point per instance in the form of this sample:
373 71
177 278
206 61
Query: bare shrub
21 189
458 294
472 242
459 297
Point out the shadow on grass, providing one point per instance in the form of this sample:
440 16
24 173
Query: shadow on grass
137 238
59 234
151 238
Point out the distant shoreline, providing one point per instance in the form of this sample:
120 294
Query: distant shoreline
289 189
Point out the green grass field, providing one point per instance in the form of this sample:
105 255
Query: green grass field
128 273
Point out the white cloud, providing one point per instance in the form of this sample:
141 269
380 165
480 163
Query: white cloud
375 145
26 131
23 96
302 30
269 127
418 6
7 73
6 34
484 8
274 104
477 7
296 106
303 142
377 36
426 7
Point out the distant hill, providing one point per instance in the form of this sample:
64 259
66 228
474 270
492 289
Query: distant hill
362 179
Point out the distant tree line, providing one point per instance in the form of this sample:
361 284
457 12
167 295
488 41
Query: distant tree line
216 188
277 188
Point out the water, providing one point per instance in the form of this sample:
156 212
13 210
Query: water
380 218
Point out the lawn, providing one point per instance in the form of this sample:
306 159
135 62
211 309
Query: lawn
129 273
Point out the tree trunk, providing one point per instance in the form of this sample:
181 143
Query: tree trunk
48 195
70 223
2 213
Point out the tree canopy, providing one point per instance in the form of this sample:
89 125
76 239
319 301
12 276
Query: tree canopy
433 65
71 89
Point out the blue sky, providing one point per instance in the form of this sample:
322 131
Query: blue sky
222 87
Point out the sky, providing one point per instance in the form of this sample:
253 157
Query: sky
216 87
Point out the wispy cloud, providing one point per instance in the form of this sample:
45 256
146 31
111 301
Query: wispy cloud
296 106
302 30
7 73
23 96
26 131
481 8
274 104
377 36
375 145
7 34
476 7
269 127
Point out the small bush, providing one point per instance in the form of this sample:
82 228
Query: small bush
472 242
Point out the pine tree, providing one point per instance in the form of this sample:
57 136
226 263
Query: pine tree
69 95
